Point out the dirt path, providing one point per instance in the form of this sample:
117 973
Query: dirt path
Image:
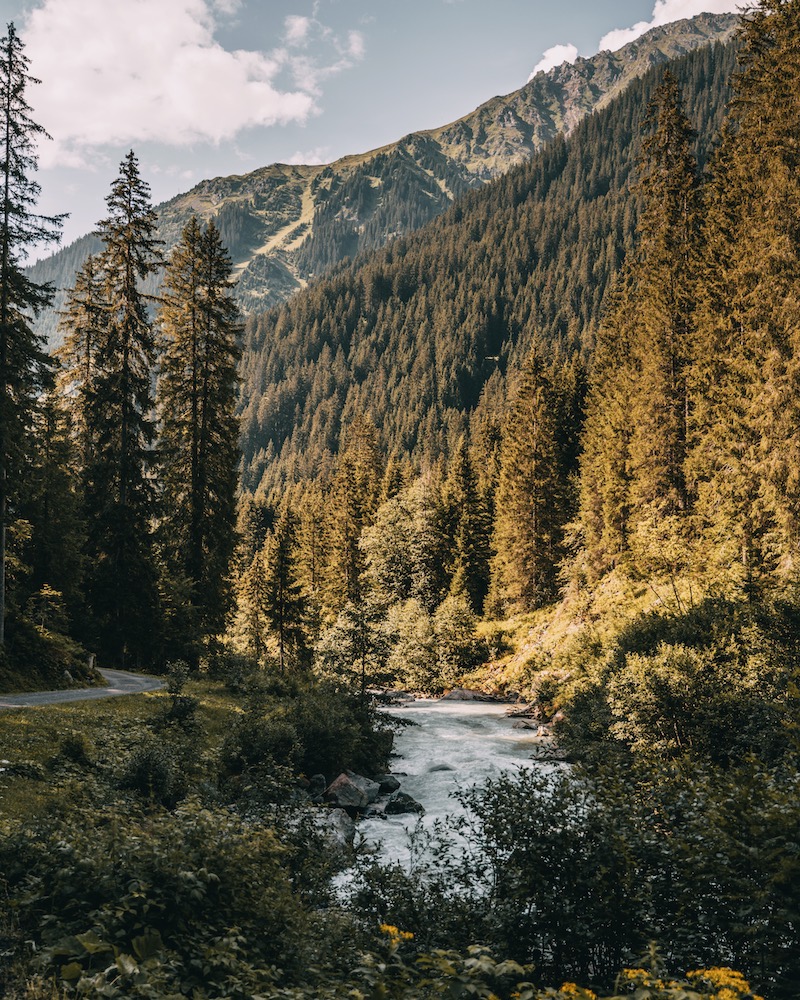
119 682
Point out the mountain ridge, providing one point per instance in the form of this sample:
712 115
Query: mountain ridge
285 224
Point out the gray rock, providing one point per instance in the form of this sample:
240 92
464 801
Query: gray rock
440 767
401 803
339 828
388 783
352 791
521 724
467 694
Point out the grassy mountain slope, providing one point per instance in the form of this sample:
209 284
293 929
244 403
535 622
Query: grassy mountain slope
286 224
420 334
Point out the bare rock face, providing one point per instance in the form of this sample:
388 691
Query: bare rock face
352 791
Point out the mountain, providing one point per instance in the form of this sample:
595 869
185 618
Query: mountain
285 225
420 335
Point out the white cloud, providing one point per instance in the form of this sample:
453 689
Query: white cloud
151 70
320 154
665 11
553 57
297 29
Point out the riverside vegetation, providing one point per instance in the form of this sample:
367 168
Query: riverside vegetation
572 474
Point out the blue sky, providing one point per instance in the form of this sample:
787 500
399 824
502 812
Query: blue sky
201 88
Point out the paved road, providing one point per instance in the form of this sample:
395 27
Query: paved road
119 682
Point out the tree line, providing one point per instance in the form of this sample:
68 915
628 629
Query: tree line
118 456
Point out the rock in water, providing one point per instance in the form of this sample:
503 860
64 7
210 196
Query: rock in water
467 694
401 802
352 791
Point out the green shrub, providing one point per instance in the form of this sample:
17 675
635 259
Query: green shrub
577 873
76 748
121 902
151 772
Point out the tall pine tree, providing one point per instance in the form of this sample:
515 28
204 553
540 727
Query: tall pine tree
24 366
535 494
745 457
118 478
199 429
665 269
82 323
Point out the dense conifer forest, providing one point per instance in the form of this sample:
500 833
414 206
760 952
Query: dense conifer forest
547 447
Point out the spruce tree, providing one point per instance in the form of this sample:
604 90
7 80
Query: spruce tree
53 510
284 604
24 367
82 322
353 500
470 530
198 427
535 492
605 501
745 458
664 270
118 479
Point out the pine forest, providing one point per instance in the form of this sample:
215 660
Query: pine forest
527 447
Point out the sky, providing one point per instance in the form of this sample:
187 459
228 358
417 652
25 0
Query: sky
206 88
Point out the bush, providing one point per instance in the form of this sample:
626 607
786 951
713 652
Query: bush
577 873
76 748
714 682
119 902
151 772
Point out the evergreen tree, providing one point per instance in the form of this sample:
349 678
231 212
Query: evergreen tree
352 503
53 510
535 493
118 479
284 604
664 269
199 429
605 511
745 458
83 323
633 467
24 366
251 624
470 530
356 648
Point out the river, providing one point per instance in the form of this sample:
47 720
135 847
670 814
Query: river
452 745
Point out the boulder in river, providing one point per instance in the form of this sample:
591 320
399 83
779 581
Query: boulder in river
388 783
338 828
467 694
352 791
401 802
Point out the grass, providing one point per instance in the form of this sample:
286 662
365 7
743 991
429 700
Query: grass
41 743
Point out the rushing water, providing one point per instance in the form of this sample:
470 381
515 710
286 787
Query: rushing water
452 745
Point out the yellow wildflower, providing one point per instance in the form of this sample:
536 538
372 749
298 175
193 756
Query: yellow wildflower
729 984
578 992
395 936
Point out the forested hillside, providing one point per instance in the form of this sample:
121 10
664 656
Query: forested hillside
284 224
420 336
